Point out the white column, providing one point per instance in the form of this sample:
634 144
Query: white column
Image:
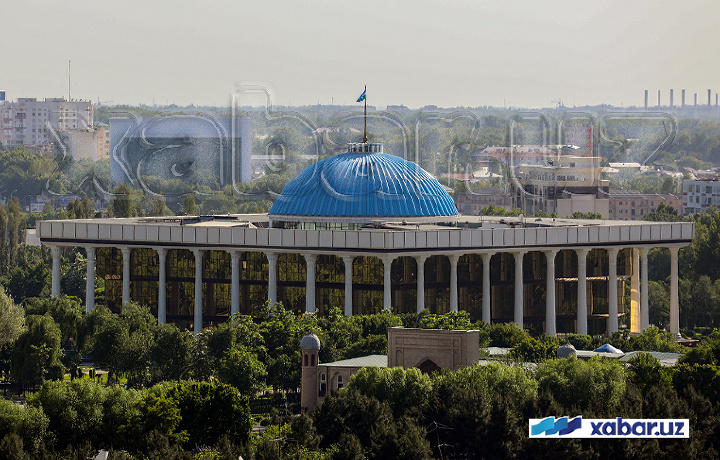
644 306
674 301
582 313
126 275
90 282
635 313
550 323
453 282
55 271
310 283
387 283
486 287
612 291
272 276
420 261
162 289
235 280
197 326
348 261
519 289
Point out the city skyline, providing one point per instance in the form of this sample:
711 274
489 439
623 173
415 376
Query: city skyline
455 54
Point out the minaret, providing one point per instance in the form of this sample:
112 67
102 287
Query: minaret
310 349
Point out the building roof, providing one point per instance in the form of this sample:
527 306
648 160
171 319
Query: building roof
607 348
234 232
634 194
363 185
361 361
566 350
665 358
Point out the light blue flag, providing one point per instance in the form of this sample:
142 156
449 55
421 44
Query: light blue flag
362 96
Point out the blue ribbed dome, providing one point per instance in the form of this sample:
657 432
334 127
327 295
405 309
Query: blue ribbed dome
366 185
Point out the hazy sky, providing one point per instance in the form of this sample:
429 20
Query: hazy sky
448 53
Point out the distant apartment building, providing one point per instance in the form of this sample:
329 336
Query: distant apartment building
625 169
578 141
563 184
698 195
102 141
200 150
579 135
633 205
472 202
30 122
517 154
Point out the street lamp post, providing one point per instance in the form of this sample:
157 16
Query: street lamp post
11 194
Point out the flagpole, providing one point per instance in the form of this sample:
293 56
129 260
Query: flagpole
365 129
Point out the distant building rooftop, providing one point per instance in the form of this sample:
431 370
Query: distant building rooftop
361 361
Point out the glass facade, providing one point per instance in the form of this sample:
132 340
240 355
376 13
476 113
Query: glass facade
368 288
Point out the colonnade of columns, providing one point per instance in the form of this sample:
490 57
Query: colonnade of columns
311 259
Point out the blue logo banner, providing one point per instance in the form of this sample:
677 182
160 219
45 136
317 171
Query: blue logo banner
551 427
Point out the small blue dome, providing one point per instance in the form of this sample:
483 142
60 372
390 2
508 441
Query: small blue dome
364 185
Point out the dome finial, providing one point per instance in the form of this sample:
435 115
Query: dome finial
360 99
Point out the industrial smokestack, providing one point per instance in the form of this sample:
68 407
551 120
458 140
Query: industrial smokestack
695 100
716 99
683 98
671 98
709 94
646 99
658 99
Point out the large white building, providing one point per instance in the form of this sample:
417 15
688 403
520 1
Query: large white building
31 122
367 231
699 195
199 149
563 184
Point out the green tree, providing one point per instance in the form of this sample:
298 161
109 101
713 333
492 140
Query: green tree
645 372
29 424
505 334
122 343
81 209
83 410
36 354
157 206
125 202
12 319
664 213
65 311
586 215
281 332
16 225
597 384
241 369
74 276
707 352
171 352
492 210
659 298
189 208
28 280
156 415
532 349
3 239
402 389
210 411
